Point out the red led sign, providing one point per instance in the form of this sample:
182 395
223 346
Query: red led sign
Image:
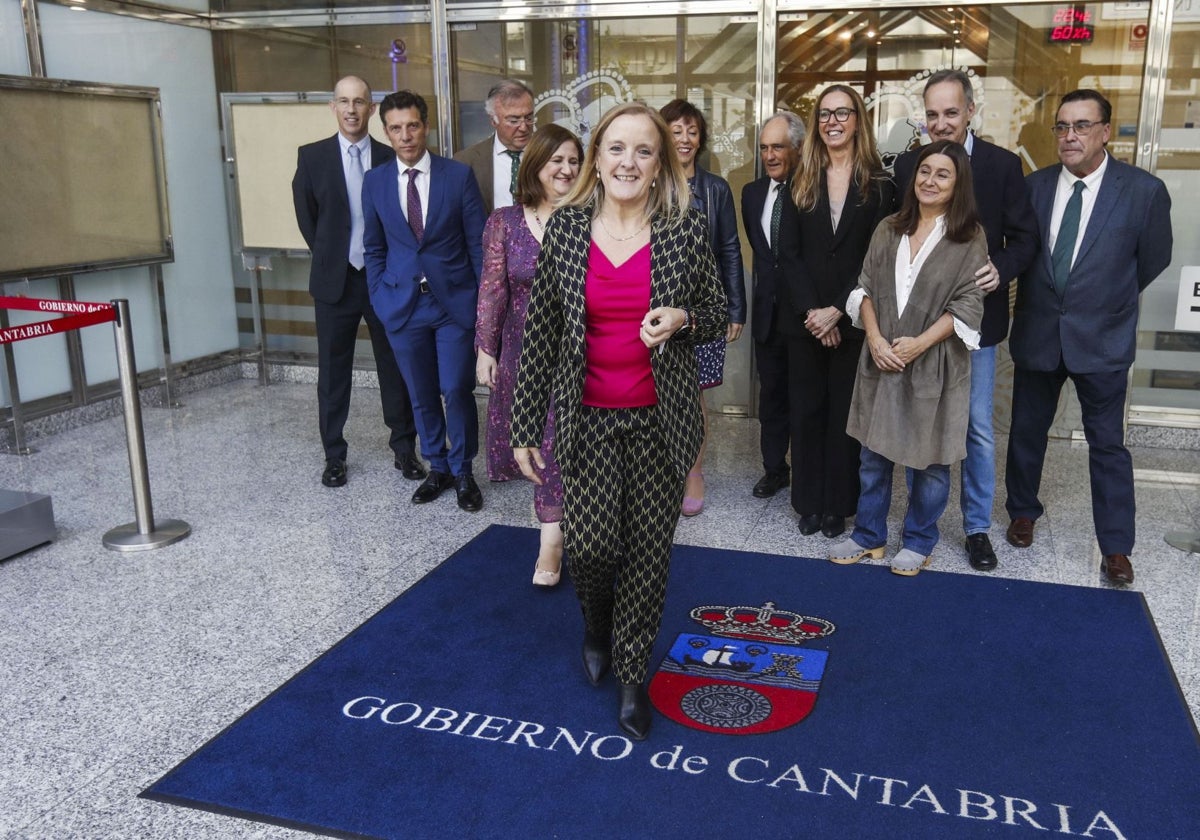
1071 25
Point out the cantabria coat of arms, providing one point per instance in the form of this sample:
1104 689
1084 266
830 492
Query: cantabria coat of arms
748 677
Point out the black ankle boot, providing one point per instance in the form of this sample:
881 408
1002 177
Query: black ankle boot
597 657
634 714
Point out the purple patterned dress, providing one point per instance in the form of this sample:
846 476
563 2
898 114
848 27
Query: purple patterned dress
510 255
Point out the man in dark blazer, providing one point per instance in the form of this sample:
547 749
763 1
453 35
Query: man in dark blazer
1105 231
424 254
327 193
779 148
494 160
1012 243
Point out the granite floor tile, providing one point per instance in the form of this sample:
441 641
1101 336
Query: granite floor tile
117 666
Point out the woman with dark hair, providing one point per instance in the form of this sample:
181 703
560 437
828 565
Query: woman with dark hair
713 198
842 193
625 287
512 240
919 305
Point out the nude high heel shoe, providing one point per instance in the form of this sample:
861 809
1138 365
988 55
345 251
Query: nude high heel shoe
551 549
692 505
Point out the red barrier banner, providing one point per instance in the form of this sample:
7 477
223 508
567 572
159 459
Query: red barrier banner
78 314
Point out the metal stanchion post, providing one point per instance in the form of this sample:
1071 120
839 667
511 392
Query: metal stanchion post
14 393
145 532
257 264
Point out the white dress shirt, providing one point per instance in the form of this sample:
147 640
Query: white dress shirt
423 167
773 195
501 174
1066 186
356 217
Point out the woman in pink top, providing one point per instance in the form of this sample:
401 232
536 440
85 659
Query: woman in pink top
625 287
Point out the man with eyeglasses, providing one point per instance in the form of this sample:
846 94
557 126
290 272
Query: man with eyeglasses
495 159
327 193
1105 231
1007 220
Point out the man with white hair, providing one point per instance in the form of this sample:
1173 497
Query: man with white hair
495 159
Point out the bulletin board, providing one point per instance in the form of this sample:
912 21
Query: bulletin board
83 186
262 133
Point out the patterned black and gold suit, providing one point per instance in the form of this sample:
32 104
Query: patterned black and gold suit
623 469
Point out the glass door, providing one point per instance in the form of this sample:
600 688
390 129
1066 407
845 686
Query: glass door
578 68
1021 57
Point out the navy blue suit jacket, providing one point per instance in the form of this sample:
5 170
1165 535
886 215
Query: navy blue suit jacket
1092 328
1007 220
449 256
323 212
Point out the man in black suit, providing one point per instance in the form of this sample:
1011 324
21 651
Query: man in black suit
1012 244
766 211
1105 231
327 192
495 159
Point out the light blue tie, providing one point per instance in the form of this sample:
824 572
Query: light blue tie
354 183
1064 245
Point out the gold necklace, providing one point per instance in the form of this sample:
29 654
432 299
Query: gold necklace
614 238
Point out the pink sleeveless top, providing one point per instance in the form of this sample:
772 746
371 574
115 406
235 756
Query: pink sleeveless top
618 364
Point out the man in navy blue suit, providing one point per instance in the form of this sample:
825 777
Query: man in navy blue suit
424 250
1012 244
327 193
1105 231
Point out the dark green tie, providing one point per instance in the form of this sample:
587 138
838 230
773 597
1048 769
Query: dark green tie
516 165
776 216
1064 245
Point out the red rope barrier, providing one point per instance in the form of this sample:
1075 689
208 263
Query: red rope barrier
77 314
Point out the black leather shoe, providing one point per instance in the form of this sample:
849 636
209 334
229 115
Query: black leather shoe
410 467
810 523
597 657
770 484
833 526
979 552
469 497
335 473
432 487
634 715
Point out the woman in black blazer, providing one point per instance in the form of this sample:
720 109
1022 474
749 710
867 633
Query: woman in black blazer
841 192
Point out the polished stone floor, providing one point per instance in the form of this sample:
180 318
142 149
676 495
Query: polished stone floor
116 666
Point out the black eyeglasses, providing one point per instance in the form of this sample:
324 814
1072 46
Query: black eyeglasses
839 114
1081 127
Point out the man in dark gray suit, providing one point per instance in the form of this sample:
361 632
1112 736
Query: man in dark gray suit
1105 231
767 209
327 193
494 160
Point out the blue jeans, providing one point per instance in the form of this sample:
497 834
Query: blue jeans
927 499
979 467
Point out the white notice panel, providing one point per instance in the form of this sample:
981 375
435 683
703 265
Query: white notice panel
1187 312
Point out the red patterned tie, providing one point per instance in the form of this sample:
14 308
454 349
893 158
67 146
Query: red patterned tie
414 207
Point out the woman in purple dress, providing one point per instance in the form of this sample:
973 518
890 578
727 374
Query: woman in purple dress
512 241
